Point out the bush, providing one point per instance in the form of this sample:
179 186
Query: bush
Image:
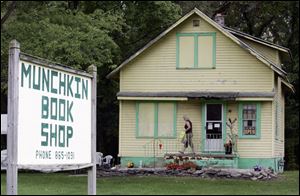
174 166
184 166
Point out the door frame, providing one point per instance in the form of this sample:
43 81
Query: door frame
203 124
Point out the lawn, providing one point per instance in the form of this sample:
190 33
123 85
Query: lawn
65 184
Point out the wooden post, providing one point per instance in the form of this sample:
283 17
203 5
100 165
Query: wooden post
12 112
92 170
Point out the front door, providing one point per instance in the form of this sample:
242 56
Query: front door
213 128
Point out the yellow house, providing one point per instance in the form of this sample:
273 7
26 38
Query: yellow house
231 85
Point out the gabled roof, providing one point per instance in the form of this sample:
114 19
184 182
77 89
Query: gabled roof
285 51
245 46
256 39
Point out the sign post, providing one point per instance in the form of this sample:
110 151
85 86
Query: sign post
51 117
13 107
92 171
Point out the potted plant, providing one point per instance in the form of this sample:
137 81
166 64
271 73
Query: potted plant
228 147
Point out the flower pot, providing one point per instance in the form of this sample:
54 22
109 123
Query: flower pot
228 149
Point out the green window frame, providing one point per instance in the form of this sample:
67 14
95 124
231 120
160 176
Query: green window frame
156 120
276 120
196 46
257 120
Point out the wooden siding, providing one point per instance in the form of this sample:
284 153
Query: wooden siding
155 69
255 148
131 146
271 53
279 119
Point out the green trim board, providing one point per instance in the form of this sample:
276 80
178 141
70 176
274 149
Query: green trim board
143 161
196 57
177 51
250 163
195 51
203 122
220 163
161 162
214 51
275 163
156 120
203 132
258 120
276 119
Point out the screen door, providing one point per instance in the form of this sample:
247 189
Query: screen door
213 128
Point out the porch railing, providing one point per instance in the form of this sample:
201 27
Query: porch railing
160 147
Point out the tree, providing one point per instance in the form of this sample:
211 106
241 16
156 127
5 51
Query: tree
81 33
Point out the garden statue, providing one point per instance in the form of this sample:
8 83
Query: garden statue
232 135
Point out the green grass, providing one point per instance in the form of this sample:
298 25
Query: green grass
61 183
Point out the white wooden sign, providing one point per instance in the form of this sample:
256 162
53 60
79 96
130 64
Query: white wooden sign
51 120
54 124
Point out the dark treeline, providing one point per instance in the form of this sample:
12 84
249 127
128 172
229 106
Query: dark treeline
104 33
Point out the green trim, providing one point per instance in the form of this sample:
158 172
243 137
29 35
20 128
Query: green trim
276 120
196 47
136 119
224 120
206 34
175 120
220 163
146 161
203 131
258 118
203 120
177 51
156 112
258 121
185 34
161 162
241 163
195 51
155 120
214 51
249 163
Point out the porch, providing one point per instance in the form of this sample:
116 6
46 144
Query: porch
151 129
159 152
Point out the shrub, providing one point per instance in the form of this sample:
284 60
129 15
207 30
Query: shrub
184 166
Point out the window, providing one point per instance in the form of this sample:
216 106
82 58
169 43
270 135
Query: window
196 50
146 119
196 23
156 120
249 120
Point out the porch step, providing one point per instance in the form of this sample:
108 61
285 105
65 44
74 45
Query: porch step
198 156
206 160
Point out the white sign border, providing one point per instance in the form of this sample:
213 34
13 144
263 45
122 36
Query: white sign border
12 126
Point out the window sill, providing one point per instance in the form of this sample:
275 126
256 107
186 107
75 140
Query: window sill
151 137
187 68
249 137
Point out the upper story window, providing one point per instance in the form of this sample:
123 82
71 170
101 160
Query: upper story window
196 50
249 120
196 23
